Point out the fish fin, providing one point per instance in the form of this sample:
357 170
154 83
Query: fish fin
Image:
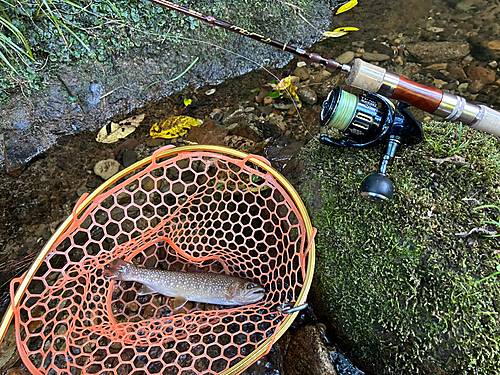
145 289
114 269
178 302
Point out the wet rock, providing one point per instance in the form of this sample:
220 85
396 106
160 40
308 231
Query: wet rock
243 144
368 56
261 95
307 354
234 118
328 85
129 158
480 77
302 72
346 57
106 168
479 50
129 144
438 66
429 53
8 350
456 73
283 106
154 142
307 95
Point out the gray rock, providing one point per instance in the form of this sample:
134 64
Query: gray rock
346 57
429 53
302 72
307 95
368 56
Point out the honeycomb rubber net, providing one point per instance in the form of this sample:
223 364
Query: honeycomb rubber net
196 207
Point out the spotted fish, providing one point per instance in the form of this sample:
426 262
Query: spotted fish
188 286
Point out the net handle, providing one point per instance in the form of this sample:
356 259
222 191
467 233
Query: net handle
256 157
157 152
303 254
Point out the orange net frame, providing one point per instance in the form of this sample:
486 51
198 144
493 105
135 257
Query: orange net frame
185 208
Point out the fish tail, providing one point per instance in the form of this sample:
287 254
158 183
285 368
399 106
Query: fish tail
115 269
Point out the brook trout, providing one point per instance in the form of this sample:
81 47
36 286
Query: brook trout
186 286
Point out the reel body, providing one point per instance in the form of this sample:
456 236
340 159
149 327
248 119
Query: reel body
366 121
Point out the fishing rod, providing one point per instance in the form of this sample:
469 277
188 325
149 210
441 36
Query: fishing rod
367 120
372 78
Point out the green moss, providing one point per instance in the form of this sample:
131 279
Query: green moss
60 33
393 279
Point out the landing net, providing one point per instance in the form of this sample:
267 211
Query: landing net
202 207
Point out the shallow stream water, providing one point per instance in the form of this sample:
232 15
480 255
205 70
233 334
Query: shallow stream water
35 202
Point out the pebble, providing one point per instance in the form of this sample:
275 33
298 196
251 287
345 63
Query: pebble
437 52
154 142
480 77
302 72
129 158
307 95
283 106
437 66
346 57
368 56
463 87
106 168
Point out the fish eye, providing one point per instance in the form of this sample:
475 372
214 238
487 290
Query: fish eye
250 286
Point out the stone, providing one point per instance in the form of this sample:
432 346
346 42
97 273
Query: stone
346 57
307 354
129 158
480 77
307 95
456 73
261 95
106 168
8 350
302 72
463 87
368 56
479 50
434 52
494 45
154 142
438 66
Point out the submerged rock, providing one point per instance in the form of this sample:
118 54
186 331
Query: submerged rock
393 280
434 52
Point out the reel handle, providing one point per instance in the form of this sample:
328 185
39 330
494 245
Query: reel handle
375 79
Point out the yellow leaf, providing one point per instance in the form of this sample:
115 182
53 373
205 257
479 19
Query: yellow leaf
341 31
173 127
287 85
113 131
187 102
347 6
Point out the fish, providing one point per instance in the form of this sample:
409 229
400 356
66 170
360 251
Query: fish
206 287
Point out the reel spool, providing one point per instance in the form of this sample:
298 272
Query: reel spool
366 121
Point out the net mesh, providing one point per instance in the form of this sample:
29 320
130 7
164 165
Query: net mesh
186 210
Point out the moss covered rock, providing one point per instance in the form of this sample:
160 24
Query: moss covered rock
411 286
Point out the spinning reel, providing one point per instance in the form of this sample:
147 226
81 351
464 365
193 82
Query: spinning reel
366 121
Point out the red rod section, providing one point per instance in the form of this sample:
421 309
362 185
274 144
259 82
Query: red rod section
314 57
420 96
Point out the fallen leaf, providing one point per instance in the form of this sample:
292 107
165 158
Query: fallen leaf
113 131
341 31
346 6
455 159
187 102
173 127
285 85
207 134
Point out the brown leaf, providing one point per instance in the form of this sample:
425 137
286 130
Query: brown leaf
207 134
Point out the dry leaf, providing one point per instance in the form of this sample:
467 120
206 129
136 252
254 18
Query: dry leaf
341 31
112 132
455 159
207 135
173 127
